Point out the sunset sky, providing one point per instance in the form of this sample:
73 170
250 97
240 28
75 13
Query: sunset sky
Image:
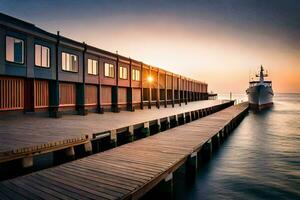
218 41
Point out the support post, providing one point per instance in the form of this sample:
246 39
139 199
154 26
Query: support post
80 99
130 106
150 97
88 147
197 114
158 125
113 138
54 99
191 116
114 98
70 153
173 92
141 86
114 91
158 91
166 93
207 149
226 130
27 162
168 125
191 166
129 89
99 107
215 141
229 127
205 112
54 86
80 88
185 92
200 113
219 139
179 89
176 120
29 95
146 129
150 89
222 136
131 133
186 97
167 187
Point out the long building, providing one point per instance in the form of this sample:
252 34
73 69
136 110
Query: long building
45 72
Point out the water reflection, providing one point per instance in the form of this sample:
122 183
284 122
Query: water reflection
260 160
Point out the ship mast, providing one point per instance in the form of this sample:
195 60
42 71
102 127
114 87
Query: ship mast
261 74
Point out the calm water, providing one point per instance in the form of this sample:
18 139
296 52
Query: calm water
260 160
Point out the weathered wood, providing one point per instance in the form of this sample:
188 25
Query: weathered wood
27 162
32 135
128 171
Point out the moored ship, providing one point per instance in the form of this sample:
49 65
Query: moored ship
260 92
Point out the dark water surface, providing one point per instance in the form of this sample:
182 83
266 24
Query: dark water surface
259 160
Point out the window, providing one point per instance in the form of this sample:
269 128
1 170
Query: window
69 62
136 75
14 50
123 73
109 70
42 56
92 67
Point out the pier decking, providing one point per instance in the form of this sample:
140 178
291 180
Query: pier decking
25 136
128 171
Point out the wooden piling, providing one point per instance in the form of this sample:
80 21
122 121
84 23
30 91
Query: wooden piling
168 123
70 153
184 118
88 147
131 133
27 162
110 174
209 147
113 138
146 129
176 120
167 189
191 166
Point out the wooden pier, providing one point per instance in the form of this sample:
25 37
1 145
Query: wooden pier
25 137
131 170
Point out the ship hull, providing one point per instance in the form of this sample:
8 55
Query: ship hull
260 97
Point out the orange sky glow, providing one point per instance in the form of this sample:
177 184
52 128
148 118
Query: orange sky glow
224 59
219 43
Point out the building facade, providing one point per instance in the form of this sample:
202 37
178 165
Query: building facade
45 72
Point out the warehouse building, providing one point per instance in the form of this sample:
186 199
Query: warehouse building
45 72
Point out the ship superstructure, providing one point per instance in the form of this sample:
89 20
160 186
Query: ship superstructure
260 92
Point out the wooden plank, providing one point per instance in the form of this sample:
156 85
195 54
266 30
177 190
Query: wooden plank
42 182
32 190
106 177
39 188
3 196
74 187
126 165
89 176
99 188
128 171
60 187
138 160
10 193
36 132
118 169
126 176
